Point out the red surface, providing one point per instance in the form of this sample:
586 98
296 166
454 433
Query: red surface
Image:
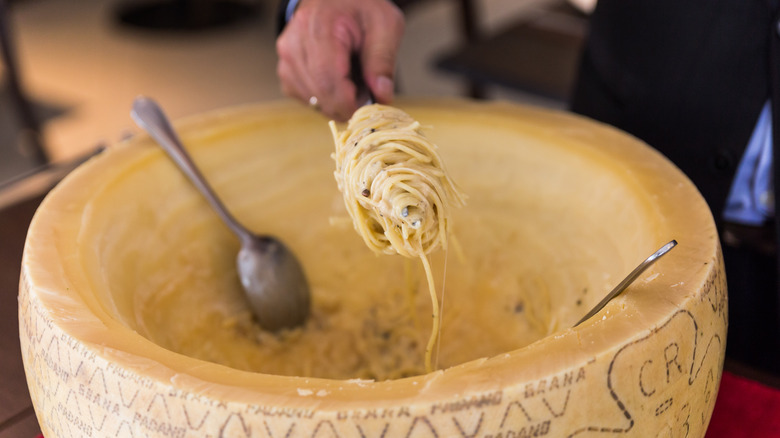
745 408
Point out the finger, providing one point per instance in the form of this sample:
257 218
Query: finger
384 30
291 65
335 95
328 67
294 47
291 83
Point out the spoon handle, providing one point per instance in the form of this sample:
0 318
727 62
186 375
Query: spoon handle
628 280
151 117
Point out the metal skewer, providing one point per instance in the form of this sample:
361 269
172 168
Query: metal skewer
628 280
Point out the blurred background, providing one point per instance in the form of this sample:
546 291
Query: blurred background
71 69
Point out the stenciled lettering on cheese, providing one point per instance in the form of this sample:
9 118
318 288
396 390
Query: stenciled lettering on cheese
274 411
98 399
477 401
368 414
74 419
162 428
565 380
536 430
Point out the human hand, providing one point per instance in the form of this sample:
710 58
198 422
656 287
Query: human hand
318 42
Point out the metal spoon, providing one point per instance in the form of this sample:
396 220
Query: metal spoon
273 279
628 280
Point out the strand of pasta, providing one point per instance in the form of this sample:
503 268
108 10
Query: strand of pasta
396 190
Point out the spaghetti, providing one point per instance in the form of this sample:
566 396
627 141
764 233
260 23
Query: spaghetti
395 189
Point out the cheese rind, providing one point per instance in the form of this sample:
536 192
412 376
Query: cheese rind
597 202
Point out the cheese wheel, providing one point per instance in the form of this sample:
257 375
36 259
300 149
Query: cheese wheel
560 209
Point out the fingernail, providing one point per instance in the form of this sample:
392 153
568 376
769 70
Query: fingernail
384 87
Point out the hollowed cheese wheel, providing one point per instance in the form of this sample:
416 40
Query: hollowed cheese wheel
559 206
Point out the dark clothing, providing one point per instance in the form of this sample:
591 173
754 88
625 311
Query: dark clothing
690 78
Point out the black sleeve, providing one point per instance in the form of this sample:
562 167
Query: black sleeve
281 20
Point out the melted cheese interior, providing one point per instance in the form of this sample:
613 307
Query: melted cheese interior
530 258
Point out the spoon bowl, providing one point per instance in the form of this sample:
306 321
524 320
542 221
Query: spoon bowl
274 281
